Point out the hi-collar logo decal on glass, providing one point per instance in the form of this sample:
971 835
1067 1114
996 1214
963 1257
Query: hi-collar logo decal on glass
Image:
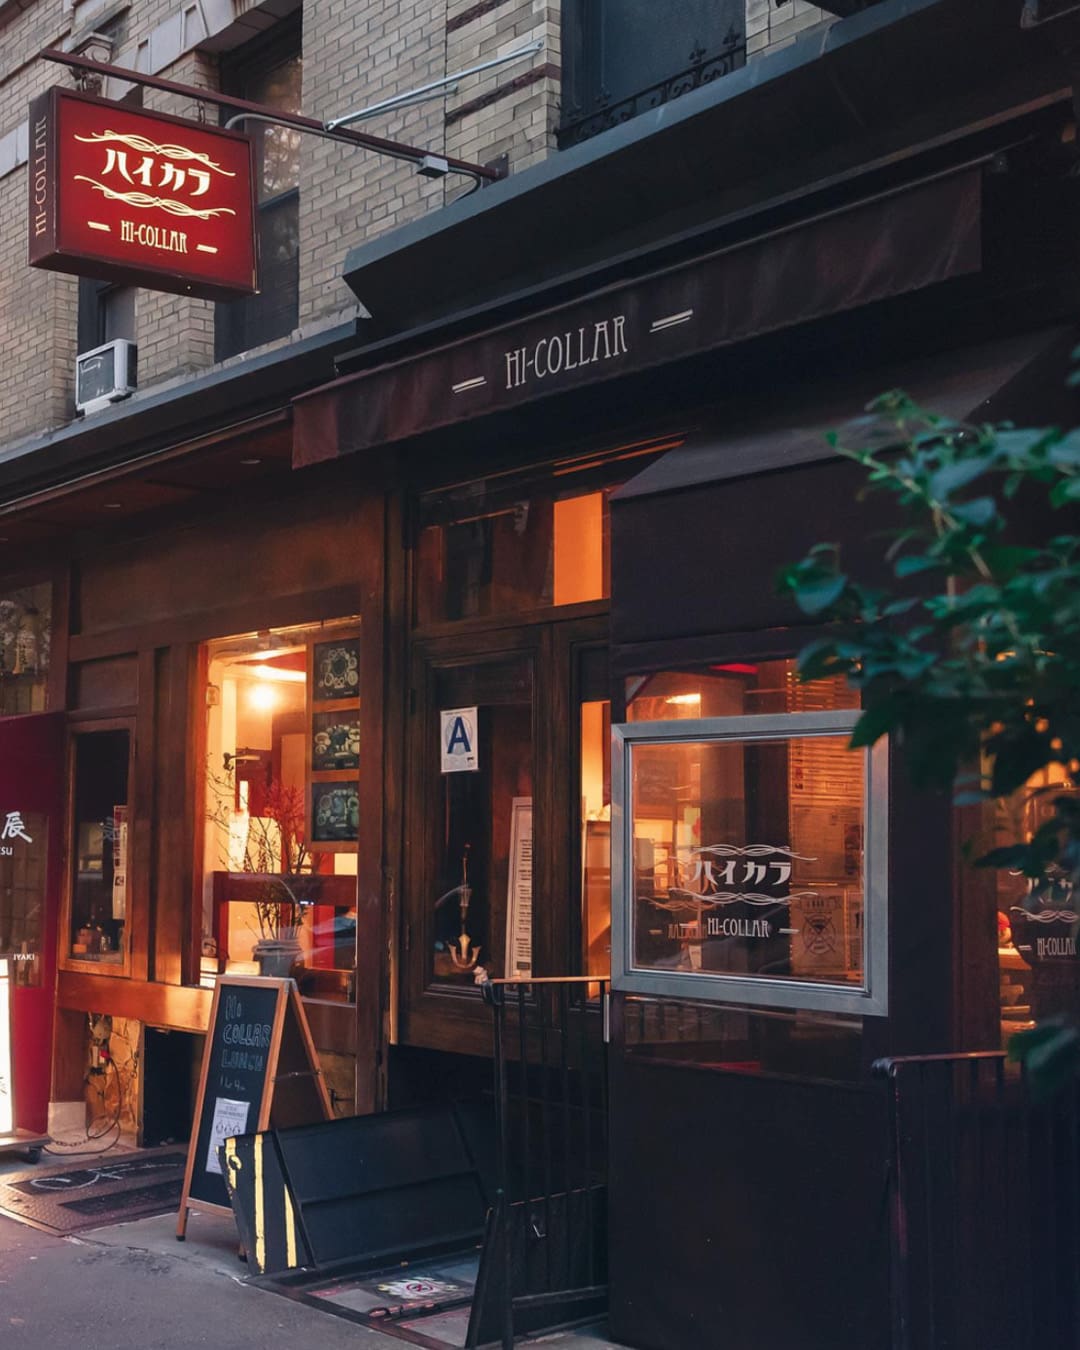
709 879
140 198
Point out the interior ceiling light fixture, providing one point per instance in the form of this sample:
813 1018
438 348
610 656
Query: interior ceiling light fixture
263 696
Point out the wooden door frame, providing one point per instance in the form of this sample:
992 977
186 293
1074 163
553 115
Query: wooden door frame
447 1017
136 923
455 1019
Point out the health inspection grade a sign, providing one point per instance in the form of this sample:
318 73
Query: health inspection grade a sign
140 198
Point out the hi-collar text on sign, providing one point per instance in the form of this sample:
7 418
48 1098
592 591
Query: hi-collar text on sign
140 198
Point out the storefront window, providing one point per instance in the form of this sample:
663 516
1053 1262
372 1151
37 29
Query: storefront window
596 836
1038 921
24 852
484 551
752 843
100 839
760 687
515 543
282 805
25 643
732 689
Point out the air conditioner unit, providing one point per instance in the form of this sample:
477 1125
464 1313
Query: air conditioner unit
105 375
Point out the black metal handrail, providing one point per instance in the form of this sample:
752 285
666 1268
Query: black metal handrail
545 1249
984 1185
580 126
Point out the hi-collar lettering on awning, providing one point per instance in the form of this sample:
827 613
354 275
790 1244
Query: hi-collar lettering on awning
885 247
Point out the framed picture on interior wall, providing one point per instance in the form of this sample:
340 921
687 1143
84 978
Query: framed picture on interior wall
335 813
335 741
336 670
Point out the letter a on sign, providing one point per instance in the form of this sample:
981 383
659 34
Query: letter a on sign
457 730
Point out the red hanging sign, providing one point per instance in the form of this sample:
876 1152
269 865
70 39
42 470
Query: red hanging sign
140 198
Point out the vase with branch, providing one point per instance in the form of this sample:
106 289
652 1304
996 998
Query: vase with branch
272 852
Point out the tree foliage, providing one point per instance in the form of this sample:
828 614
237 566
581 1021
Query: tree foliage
970 659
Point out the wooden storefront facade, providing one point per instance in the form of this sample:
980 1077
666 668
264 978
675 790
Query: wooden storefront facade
525 513
136 663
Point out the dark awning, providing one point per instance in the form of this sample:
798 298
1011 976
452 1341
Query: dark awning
894 244
697 537
224 429
883 87
163 416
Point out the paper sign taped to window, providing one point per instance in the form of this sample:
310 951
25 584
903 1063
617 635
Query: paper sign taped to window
458 734
519 892
230 1119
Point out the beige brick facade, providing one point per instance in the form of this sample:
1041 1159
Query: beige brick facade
354 54
37 309
771 26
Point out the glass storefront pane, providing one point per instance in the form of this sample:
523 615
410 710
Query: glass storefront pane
25 646
747 858
22 892
483 822
487 553
731 689
101 844
1038 920
281 799
596 837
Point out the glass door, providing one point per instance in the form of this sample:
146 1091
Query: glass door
481 819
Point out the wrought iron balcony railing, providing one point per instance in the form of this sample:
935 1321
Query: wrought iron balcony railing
580 124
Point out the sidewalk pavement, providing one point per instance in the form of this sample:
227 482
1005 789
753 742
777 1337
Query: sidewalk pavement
132 1286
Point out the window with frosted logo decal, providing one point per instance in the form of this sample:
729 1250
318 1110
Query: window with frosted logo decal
752 851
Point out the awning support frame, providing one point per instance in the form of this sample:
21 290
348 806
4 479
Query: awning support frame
411 154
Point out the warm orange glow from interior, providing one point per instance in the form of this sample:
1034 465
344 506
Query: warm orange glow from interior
273 673
263 696
579 549
596 871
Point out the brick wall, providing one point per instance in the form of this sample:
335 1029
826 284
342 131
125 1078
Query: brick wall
37 309
355 54
370 50
175 333
511 110
770 26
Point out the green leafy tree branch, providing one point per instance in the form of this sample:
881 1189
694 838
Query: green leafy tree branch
971 658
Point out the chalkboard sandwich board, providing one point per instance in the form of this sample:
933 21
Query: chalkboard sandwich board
259 1068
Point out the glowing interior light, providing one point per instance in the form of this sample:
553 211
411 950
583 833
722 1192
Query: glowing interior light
263 696
275 673
683 700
